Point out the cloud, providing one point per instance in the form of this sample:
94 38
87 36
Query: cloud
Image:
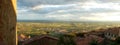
31 3
52 6
87 7
114 16
92 5
44 9
93 10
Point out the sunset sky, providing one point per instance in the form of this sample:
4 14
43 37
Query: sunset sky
69 10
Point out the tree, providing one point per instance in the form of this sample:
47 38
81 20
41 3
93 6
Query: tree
80 35
117 40
66 40
94 42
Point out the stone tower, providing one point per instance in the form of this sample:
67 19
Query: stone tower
7 22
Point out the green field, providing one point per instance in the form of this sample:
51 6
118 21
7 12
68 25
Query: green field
37 28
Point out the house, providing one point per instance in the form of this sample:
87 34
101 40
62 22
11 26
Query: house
88 39
22 37
112 33
41 40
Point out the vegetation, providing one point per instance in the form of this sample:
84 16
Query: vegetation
94 42
65 31
80 35
66 40
39 28
113 42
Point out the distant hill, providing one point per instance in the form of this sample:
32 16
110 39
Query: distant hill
67 21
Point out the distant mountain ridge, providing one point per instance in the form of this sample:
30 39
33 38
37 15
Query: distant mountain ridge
64 21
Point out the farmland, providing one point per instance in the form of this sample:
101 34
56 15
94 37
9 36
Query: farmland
38 28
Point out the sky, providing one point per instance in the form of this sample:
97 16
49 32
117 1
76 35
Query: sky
69 10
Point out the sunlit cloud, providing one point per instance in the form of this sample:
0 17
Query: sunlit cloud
111 6
114 16
51 6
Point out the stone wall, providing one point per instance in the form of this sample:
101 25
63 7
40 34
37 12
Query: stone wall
7 23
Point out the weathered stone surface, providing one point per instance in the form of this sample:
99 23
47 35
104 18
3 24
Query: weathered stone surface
7 23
